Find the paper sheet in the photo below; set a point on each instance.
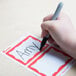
(50, 61)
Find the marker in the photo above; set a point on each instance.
(55, 16)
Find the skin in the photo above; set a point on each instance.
(62, 32)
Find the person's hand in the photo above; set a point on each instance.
(62, 32)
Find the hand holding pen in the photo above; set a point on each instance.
(61, 31)
(54, 17)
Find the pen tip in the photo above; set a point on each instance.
(40, 48)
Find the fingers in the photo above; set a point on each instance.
(48, 25)
(44, 29)
(47, 18)
(44, 33)
(47, 28)
(62, 16)
(51, 25)
(50, 40)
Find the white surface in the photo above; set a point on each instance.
(20, 16)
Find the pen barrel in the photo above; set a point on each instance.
(57, 12)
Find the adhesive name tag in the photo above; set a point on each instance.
(50, 61)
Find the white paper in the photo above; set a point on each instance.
(51, 61)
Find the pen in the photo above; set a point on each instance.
(55, 16)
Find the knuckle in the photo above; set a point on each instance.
(44, 19)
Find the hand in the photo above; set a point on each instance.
(62, 32)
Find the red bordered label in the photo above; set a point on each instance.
(50, 63)
(26, 50)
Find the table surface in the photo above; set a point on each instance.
(22, 16)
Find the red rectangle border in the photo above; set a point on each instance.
(60, 68)
(8, 52)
